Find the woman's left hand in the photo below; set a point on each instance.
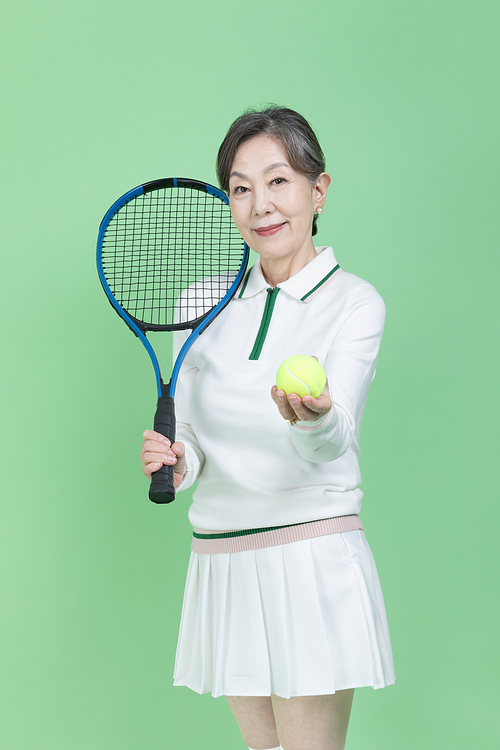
(307, 409)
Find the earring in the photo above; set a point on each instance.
(319, 210)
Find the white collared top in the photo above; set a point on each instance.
(253, 468)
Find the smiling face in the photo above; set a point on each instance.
(273, 206)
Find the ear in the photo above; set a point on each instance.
(319, 190)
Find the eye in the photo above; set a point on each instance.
(240, 189)
(278, 181)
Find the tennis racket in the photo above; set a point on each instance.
(169, 258)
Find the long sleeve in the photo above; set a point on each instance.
(253, 469)
(350, 369)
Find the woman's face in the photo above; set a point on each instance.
(273, 205)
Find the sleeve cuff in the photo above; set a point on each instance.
(193, 466)
(313, 425)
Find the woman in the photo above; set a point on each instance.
(283, 612)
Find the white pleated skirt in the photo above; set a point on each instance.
(303, 618)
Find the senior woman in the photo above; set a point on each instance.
(283, 612)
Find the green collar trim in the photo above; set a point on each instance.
(245, 282)
(325, 278)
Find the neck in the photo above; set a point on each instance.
(276, 270)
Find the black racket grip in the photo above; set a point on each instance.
(162, 481)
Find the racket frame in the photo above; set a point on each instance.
(140, 329)
(166, 392)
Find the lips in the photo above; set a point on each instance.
(269, 230)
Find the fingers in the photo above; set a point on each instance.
(320, 405)
(180, 467)
(157, 450)
(284, 406)
(156, 436)
(307, 409)
(179, 450)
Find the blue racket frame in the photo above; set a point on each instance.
(125, 198)
(162, 488)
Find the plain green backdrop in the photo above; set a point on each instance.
(102, 95)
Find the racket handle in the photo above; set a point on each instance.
(162, 481)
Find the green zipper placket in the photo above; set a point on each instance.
(272, 295)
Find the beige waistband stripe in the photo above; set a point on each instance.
(273, 537)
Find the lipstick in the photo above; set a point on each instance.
(270, 230)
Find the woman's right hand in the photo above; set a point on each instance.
(156, 450)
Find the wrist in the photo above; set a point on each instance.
(312, 424)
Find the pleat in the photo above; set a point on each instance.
(296, 635)
(246, 668)
(375, 617)
(305, 618)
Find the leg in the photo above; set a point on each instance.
(313, 722)
(255, 718)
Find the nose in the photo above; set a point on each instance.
(262, 203)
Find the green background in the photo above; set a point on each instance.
(100, 96)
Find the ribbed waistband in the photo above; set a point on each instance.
(238, 540)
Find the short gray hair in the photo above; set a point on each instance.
(289, 127)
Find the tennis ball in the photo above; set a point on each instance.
(301, 375)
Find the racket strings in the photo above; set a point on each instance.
(171, 255)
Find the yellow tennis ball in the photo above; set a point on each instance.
(301, 375)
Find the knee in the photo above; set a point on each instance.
(261, 737)
(255, 719)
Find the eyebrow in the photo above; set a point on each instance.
(267, 169)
